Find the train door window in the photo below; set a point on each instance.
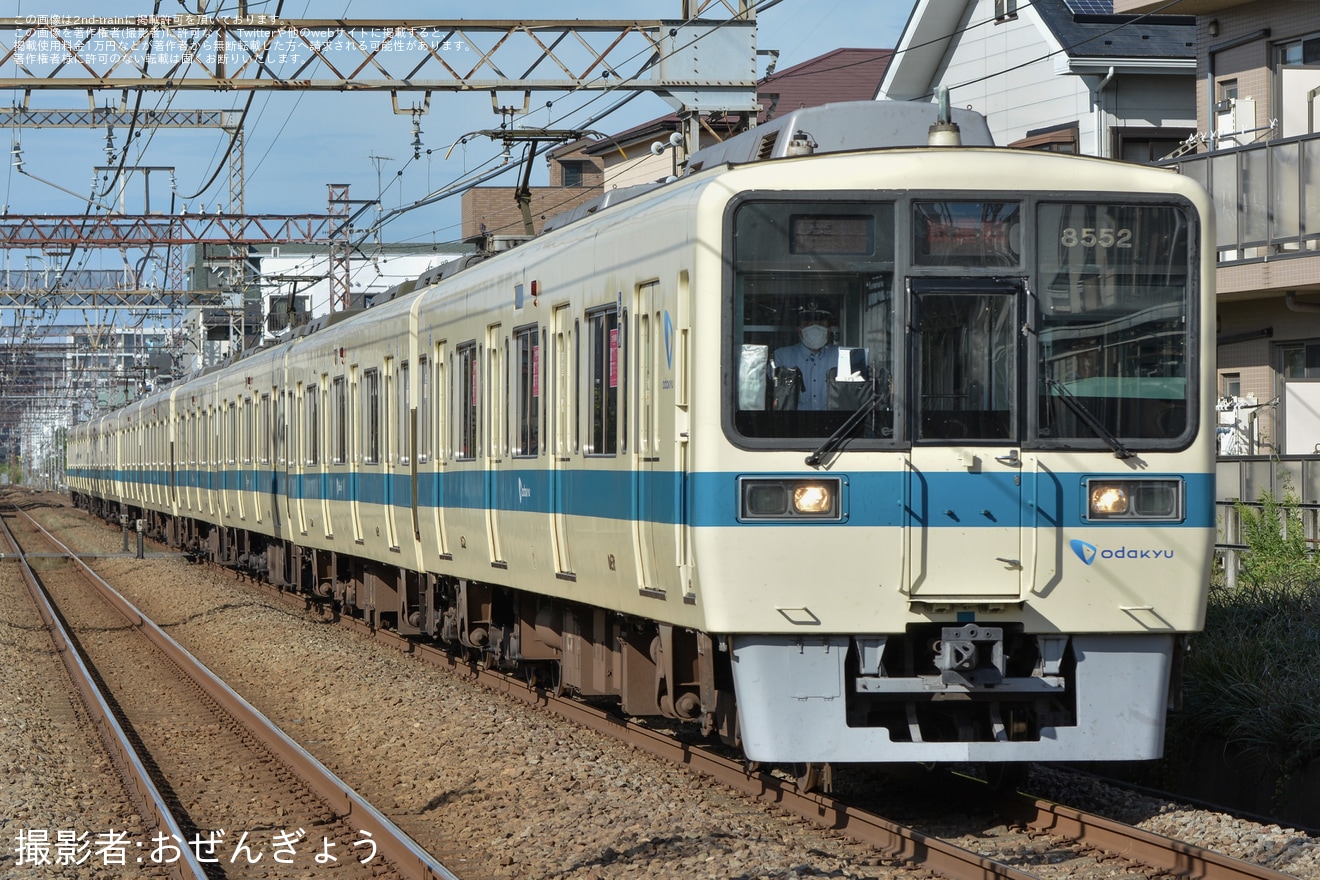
(404, 433)
(339, 420)
(965, 360)
(424, 415)
(526, 392)
(267, 435)
(249, 429)
(312, 427)
(297, 441)
(467, 375)
(621, 359)
(281, 433)
(385, 419)
(603, 379)
(440, 405)
(562, 400)
(231, 415)
(371, 417)
(645, 371)
(496, 389)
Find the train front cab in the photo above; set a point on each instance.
(990, 543)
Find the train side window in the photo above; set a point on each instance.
(312, 437)
(468, 394)
(526, 392)
(603, 379)
(249, 427)
(423, 410)
(404, 432)
(231, 414)
(371, 417)
(267, 431)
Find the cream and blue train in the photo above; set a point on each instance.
(587, 457)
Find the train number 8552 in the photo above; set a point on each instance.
(1088, 238)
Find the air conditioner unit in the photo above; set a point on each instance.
(1235, 121)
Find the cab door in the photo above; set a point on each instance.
(964, 513)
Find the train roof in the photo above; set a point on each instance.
(839, 128)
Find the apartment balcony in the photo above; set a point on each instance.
(1267, 212)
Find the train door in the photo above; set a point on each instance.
(564, 435)
(406, 437)
(386, 442)
(334, 486)
(964, 514)
(354, 453)
(646, 518)
(496, 410)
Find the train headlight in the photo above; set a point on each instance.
(788, 499)
(813, 499)
(1150, 500)
(1108, 500)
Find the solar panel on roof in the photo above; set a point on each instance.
(1090, 7)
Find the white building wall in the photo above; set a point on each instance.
(1016, 74)
(1010, 73)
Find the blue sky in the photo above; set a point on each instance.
(297, 143)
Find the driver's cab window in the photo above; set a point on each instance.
(813, 329)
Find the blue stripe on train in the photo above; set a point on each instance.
(964, 500)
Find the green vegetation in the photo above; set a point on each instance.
(1253, 676)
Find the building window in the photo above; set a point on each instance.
(1231, 385)
(1005, 10)
(1305, 50)
(1300, 361)
(574, 173)
(1147, 145)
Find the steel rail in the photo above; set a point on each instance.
(403, 853)
(896, 841)
(130, 764)
(1134, 843)
(899, 842)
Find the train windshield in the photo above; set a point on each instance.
(1114, 329)
(1045, 324)
(814, 312)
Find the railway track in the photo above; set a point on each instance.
(1089, 837)
(228, 793)
(1043, 839)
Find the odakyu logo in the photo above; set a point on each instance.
(1088, 553)
(669, 339)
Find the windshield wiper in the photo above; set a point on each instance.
(1079, 409)
(836, 439)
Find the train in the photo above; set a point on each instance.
(863, 440)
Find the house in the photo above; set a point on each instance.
(1064, 75)
(652, 151)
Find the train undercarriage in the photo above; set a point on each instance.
(920, 687)
(650, 668)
